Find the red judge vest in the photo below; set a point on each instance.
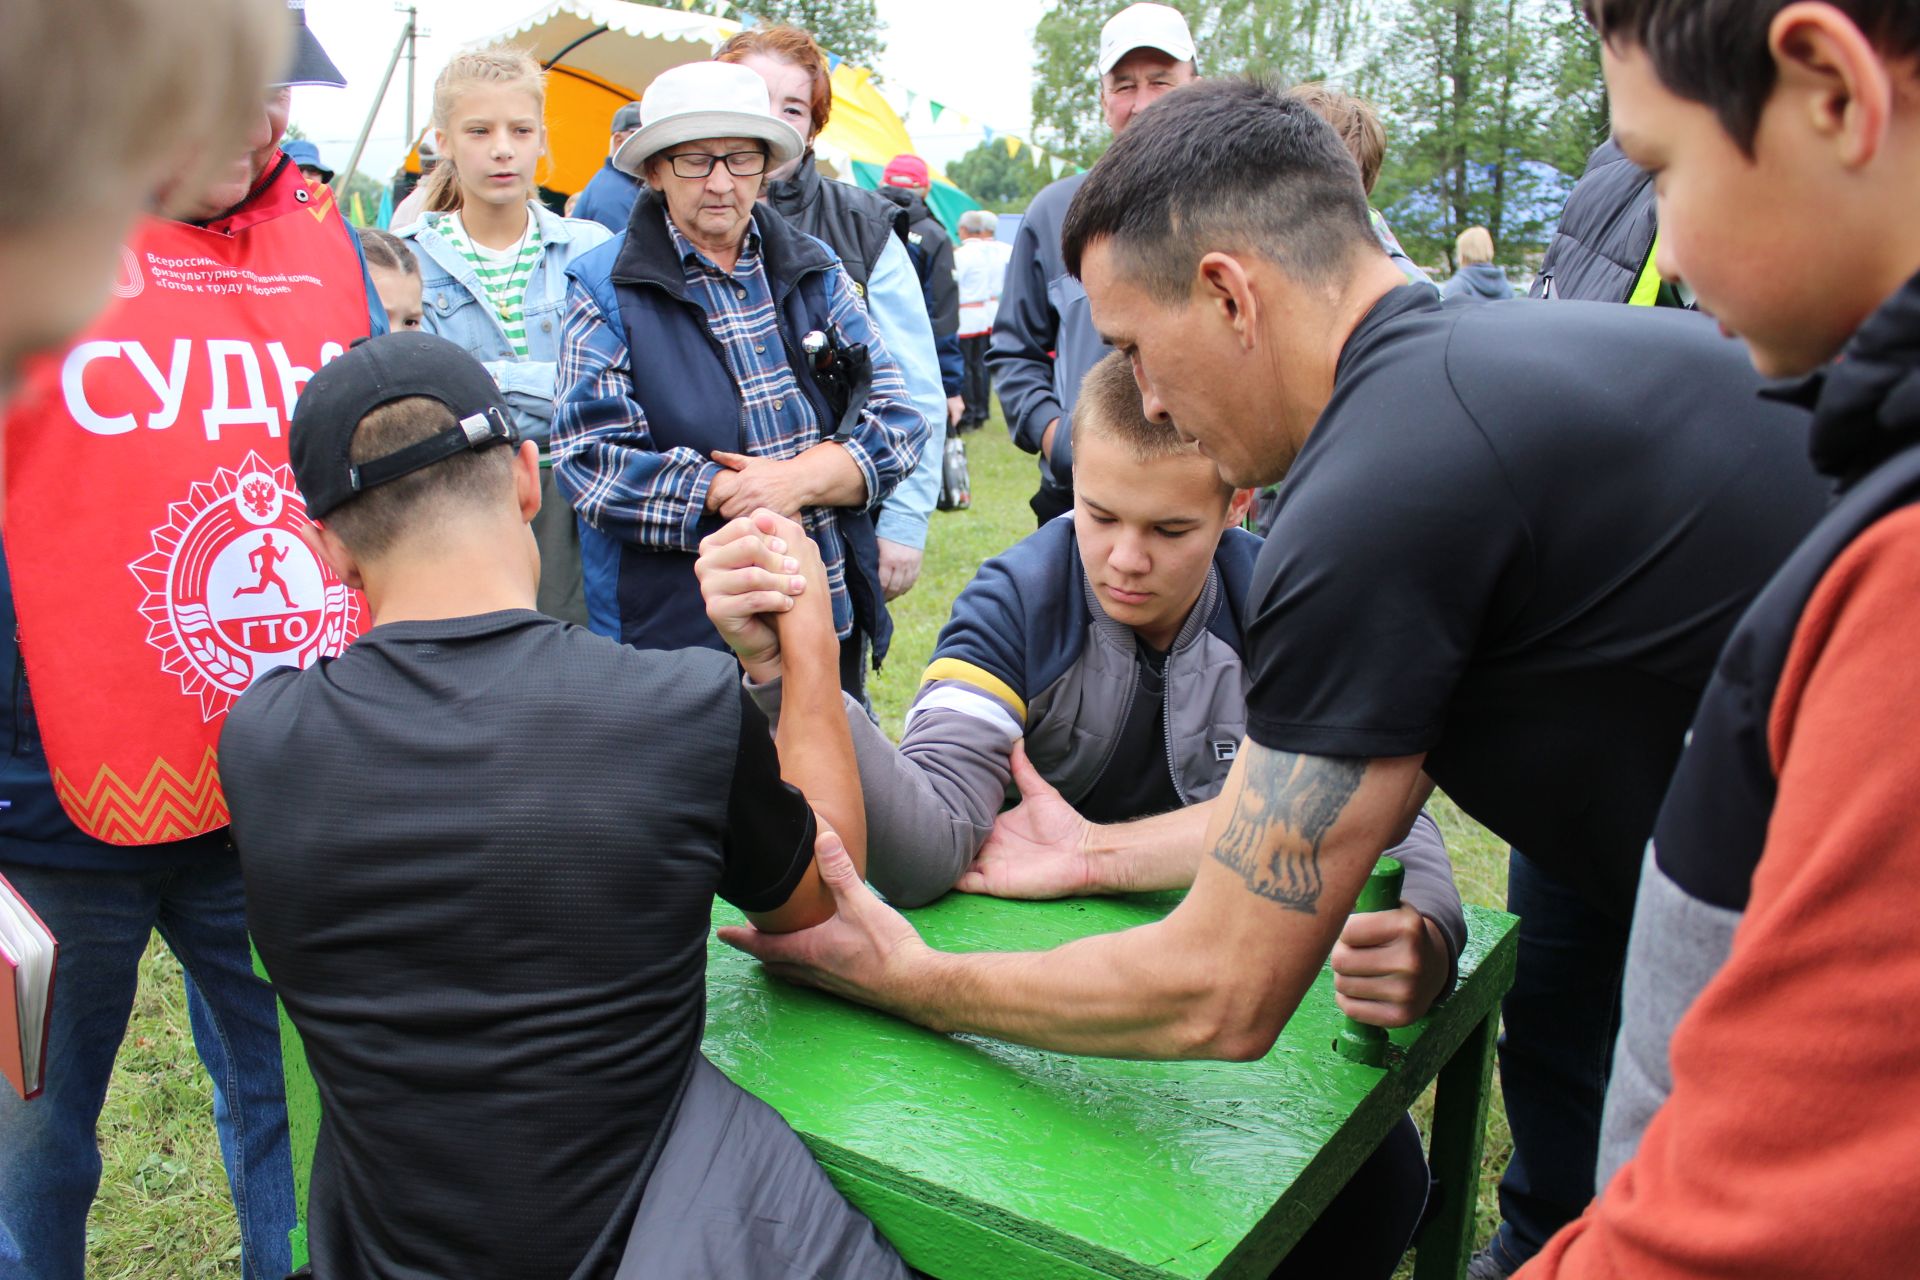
(152, 520)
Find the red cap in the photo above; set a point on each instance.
(906, 171)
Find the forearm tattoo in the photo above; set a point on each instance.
(1288, 802)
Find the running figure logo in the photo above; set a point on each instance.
(231, 590)
(262, 560)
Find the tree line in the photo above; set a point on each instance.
(1490, 106)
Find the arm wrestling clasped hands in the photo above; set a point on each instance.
(1388, 966)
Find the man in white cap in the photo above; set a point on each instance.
(1043, 341)
(714, 361)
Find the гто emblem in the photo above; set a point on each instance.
(232, 591)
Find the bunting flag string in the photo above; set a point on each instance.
(1050, 164)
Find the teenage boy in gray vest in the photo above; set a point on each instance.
(496, 957)
(1764, 1111)
(1097, 664)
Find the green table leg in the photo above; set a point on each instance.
(1461, 1093)
(303, 1118)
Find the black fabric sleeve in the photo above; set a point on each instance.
(1393, 551)
(770, 826)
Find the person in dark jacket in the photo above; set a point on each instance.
(869, 234)
(1477, 280)
(906, 183)
(717, 360)
(1043, 339)
(1764, 1076)
(1602, 249)
(609, 195)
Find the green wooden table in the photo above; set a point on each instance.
(982, 1160)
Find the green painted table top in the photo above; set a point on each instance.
(986, 1160)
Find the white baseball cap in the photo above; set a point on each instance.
(706, 100)
(1144, 26)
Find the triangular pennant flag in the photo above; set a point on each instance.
(359, 211)
(833, 62)
(988, 132)
(912, 98)
(935, 108)
(1013, 146)
(1058, 166)
(686, 4)
(720, 9)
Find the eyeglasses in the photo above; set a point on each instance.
(697, 164)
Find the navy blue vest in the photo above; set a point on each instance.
(686, 389)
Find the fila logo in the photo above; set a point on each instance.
(1225, 750)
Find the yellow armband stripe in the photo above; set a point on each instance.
(979, 677)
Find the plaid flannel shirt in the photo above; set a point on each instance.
(621, 484)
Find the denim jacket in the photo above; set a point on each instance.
(452, 306)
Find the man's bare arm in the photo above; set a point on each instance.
(815, 748)
(1292, 838)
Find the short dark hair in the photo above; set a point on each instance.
(1714, 52)
(1222, 164)
(371, 523)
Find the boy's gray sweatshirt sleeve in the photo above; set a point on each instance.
(930, 801)
(1429, 888)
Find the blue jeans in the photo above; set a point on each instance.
(49, 1162)
(1556, 1050)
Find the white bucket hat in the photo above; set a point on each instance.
(706, 100)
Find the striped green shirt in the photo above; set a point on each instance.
(504, 275)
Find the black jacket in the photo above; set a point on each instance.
(1605, 232)
(932, 250)
(854, 223)
(1043, 337)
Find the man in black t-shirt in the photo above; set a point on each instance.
(481, 847)
(1510, 543)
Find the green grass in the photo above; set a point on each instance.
(163, 1210)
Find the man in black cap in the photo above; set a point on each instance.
(481, 848)
(608, 198)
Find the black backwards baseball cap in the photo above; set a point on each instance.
(379, 371)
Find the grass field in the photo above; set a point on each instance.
(163, 1210)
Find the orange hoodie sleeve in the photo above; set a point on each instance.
(1790, 1146)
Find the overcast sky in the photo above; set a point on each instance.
(979, 65)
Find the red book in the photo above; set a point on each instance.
(28, 952)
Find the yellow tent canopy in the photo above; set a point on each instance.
(602, 54)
